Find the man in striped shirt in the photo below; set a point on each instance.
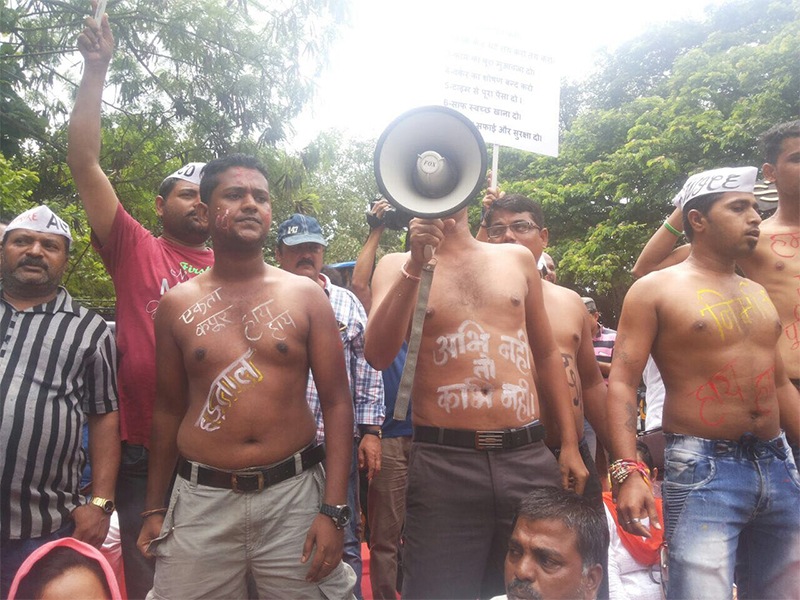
(57, 366)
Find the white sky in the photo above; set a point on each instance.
(384, 63)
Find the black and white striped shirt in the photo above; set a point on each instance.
(58, 362)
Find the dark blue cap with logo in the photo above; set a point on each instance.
(300, 229)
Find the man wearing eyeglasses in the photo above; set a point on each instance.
(515, 219)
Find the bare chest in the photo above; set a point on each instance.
(716, 315)
(225, 324)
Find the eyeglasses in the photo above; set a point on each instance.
(521, 227)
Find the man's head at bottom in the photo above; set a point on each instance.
(557, 547)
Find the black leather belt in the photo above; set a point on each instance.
(498, 439)
(253, 480)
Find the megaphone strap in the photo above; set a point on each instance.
(417, 323)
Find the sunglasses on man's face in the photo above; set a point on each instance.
(521, 227)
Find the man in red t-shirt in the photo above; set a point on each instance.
(143, 268)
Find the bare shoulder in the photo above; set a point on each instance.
(510, 254)
(566, 297)
(297, 287)
(188, 291)
(395, 258)
(649, 289)
(388, 267)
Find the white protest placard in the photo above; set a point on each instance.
(509, 91)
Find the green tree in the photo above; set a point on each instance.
(190, 80)
(681, 98)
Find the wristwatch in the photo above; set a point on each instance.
(107, 505)
(377, 432)
(340, 514)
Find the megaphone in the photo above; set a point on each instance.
(430, 162)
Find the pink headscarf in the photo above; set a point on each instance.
(83, 548)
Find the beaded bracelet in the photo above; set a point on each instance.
(671, 229)
(621, 469)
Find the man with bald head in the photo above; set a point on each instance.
(143, 268)
(549, 267)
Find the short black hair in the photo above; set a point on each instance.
(211, 172)
(516, 203)
(54, 564)
(772, 140)
(333, 274)
(576, 513)
(701, 203)
(166, 187)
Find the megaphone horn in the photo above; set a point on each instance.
(430, 161)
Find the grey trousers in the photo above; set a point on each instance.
(460, 506)
(212, 538)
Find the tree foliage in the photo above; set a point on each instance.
(190, 80)
(198, 78)
(681, 98)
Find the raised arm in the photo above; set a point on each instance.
(365, 262)
(492, 194)
(593, 387)
(552, 381)
(169, 409)
(660, 252)
(394, 292)
(637, 330)
(96, 44)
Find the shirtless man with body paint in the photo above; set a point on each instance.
(775, 264)
(504, 222)
(233, 348)
(474, 374)
(731, 488)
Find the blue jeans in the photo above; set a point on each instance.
(14, 552)
(731, 507)
(130, 493)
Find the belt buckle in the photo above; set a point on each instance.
(235, 481)
(489, 440)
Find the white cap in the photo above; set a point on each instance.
(740, 179)
(190, 172)
(40, 219)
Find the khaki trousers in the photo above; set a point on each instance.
(387, 509)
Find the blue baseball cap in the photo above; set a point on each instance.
(300, 229)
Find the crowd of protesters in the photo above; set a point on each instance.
(232, 410)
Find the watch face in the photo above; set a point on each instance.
(345, 516)
(108, 506)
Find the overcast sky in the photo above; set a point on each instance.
(386, 62)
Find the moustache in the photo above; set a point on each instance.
(32, 262)
(305, 261)
(523, 589)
